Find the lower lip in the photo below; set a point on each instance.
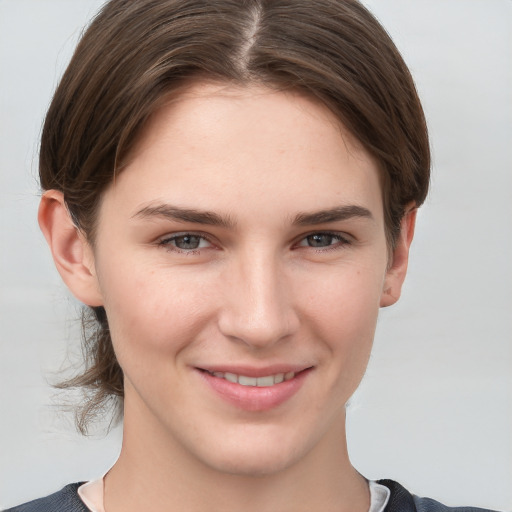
(254, 398)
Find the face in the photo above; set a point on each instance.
(241, 258)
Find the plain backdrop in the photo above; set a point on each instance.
(435, 408)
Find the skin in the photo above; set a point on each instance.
(261, 289)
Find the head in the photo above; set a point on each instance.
(137, 57)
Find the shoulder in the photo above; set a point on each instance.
(65, 500)
(402, 500)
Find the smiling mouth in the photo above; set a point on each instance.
(260, 390)
(261, 382)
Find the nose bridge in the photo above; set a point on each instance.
(257, 309)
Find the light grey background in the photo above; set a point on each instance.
(435, 408)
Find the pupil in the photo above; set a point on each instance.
(319, 240)
(187, 242)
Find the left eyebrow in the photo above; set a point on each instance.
(332, 215)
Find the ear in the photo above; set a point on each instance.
(72, 254)
(397, 268)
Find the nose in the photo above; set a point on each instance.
(257, 307)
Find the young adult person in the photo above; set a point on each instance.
(231, 187)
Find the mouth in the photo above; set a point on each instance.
(261, 390)
(261, 382)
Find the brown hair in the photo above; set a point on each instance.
(135, 53)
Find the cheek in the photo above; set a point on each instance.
(343, 315)
(152, 311)
(346, 299)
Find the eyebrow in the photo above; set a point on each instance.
(195, 216)
(332, 215)
(179, 214)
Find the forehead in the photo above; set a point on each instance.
(200, 106)
(217, 140)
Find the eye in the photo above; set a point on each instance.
(323, 240)
(185, 242)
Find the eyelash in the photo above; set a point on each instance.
(168, 242)
(342, 241)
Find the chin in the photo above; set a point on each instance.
(258, 466)
(260, 458)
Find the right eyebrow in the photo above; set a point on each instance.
(180, 214)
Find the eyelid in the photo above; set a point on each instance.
(166, 241)
(343, 238)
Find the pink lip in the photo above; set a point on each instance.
(253, 398)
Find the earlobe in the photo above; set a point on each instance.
(71, 252)
(397, 269)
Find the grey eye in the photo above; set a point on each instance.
(187, 242)
(321, 240)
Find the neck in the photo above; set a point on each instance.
(155, 473)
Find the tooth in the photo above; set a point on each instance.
(265, 381)
(278, 378)
(247, 381)
(268, 380)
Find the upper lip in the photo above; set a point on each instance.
(252, 371)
